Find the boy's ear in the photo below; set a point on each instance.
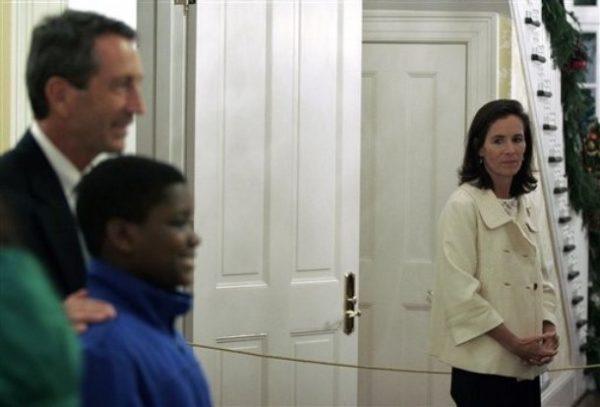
(121, 235)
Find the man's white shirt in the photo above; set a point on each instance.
(68, 175)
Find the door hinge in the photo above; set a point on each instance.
(186, 5)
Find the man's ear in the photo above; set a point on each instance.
(121, 235)
(59, 94)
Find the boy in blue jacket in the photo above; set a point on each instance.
(136, 217)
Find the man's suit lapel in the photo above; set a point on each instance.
(53, 214)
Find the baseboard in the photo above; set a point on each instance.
(564, 390)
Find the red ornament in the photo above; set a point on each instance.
(578, 64)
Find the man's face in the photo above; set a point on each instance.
(105, 108)
(164, 245)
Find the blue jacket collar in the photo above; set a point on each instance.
(125, 291)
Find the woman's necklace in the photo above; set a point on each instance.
(510, 205)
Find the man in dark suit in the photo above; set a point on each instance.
(84, 83)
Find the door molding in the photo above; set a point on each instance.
(477, 31)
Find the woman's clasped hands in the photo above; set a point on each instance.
(538, 350)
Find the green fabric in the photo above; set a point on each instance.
(40, 357)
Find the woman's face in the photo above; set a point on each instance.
(503, 149)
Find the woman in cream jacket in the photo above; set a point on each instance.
(493, 307)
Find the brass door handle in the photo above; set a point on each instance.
(353, 314)
(350, 303)
(429, 296)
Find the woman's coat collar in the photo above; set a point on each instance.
(492, 212)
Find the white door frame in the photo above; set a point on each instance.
(478, 31)
(161, 131)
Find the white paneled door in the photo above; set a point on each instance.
(414, 108)
(277, 179)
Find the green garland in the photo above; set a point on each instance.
(582, 160)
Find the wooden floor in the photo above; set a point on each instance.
(590, 400)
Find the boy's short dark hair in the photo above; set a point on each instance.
(126, 187)
(63, 45)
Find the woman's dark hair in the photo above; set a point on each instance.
(473, 171)
(126, 187)
(63, 45)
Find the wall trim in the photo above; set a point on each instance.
(561, 391)
(5, 78)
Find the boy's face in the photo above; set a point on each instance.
(164, 246)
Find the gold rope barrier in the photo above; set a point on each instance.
(383, 369)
